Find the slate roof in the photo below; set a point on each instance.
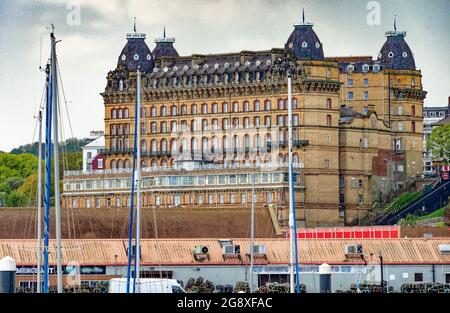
(395, 53)
(136, 54)
(304, 43)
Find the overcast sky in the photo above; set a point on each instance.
(90, 48)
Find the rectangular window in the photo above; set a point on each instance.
(221, 198)
(418, 277)
(243, 198)
(350, 82)
(88, 203)
(233, 198)
(350, 95)
(100, 163)
(210, 199)
(353, 182)
(366, 95)
(365, 82)
(232, 179)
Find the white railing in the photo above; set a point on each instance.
(195, 167)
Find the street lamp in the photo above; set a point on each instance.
(287, 66)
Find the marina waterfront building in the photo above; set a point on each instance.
(215, 126)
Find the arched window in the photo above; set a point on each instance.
(113, 129)
(183, 109)
(120, 164)
(225, 144)
(280, 104)
(328, 104)
(126, 113)
(119, 111)
(173, 145)
(144, 163)
(204, 108)
(246, 106)
(256, 105)
(127, 163)
(173, 126)
(164, 145)
(215, 124)
(113, 113)
(235, 142)
(267, 121)
(267, 105)
(143, 146)
(194, 109)
(154, 163)
(268, 140)
(113, 164)
(294, 103)
(246, 142)
(194, 125)
(163, 127)
(121, 85)
(225, 124)
(280, 158)
(164, 163)
(295, 159)
(224, 107)
(163, 111)
(215, 108)
(143, 112)
(174, 110)
(258, 161)
(257, 141)
(215, 145)
(153, 111)
(184, 146)
(194, 144)
(204, 144)
(328, 120)
(204, 125)
(236, 107)
(154, 145)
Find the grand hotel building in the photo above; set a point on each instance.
(213, 127)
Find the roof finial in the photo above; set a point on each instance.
(134, 24)
(303, 15)
(164, 33)
(395, 22)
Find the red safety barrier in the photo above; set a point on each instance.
(357, 232)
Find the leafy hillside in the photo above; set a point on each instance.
(18, 176)
(70, 145)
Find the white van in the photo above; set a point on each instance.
(147, 285)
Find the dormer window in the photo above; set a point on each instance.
(121, 85)
(350, 68)
(365, 68)
(304, 44)
(391, 54)
(376, 68)
(136, 57)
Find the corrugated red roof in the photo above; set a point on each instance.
(180, 251)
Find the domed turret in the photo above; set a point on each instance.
(395, 53)
(136, 53)
(303, 42)
(164, 47)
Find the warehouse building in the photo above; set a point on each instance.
(226, 261)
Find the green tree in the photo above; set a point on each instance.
(439, 143)
(16, 199)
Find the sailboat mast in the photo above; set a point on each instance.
(48, 156)
(39, 206)
(138, 182)
(252, 232)
(54, 104)
(292, 235)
